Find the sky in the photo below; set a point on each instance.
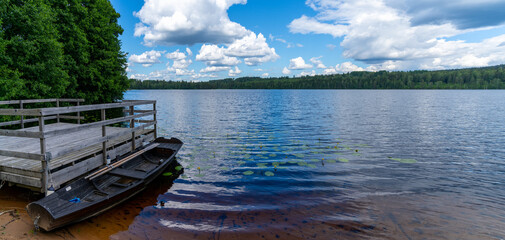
(201, 40)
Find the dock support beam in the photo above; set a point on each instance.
(45, 170)
(22, 117)
(132, 125)
(155, 125)
(78, 115)
(104, 143)
(57, 115)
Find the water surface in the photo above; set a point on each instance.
(330, 164)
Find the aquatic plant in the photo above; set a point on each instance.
(344, 160)
(248, 172)
(261, 165)
(168, 174)
(269, 174)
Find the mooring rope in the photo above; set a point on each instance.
(2, 184)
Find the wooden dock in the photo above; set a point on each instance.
(54, 152)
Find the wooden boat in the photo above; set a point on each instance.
(105, 188)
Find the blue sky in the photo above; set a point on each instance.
(200, 40)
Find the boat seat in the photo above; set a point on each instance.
(121, 172)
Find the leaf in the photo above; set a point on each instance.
(344, 160)
(261, 165)
(178, 168)
(269, 174)
(248, 172)
(168, 174)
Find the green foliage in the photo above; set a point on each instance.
(61, 48)
(472, 78)
(33, 58)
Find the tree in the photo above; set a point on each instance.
(61, 48)
(32, 59)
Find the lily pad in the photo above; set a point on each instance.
(269, 174)
(168, 174)
(178, 168)
(248, 172)
(272, 155)
(343, 160)
(311, 165)
(199, 175)
(292, 162)
(404, 160)
(240, 162)
(302, 163)
(261, 165)
(225, 168)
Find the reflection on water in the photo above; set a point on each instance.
(330, 165)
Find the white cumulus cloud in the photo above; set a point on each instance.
(298, 64)
(397, 35)
(147, 58)
(234, 72)
(317, 61)
(286, 71)
(173, 22)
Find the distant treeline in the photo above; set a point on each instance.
(471, 78)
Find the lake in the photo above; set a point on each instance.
(329, 164)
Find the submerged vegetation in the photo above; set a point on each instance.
(61, 49)
(471, 78)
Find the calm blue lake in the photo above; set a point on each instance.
(330, 164)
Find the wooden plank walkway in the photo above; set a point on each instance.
(69, 166)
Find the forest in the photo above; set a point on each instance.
(471, 78)
(61, 49)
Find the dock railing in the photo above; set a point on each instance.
(43, 114)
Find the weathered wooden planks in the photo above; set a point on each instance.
(24, 171)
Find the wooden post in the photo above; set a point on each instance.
(57, 115)
(104, 143)
(155, 125)
(45, 170)
(132, 125)
(22, 117)
(78, 115)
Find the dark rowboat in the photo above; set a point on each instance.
(106, 188)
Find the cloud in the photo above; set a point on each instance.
(317, 61)
(462, 14)
(147, 58)
(286, 71)
(344, 67)
(214, 69)
(213, 55)
(265, 75)
(180, 60)
(331, 46)
(288, 44)
(311, 73)
(253, 49)
(306, 25)
(173, 22)
(298, 64)
(234, 73)
(389, 34)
